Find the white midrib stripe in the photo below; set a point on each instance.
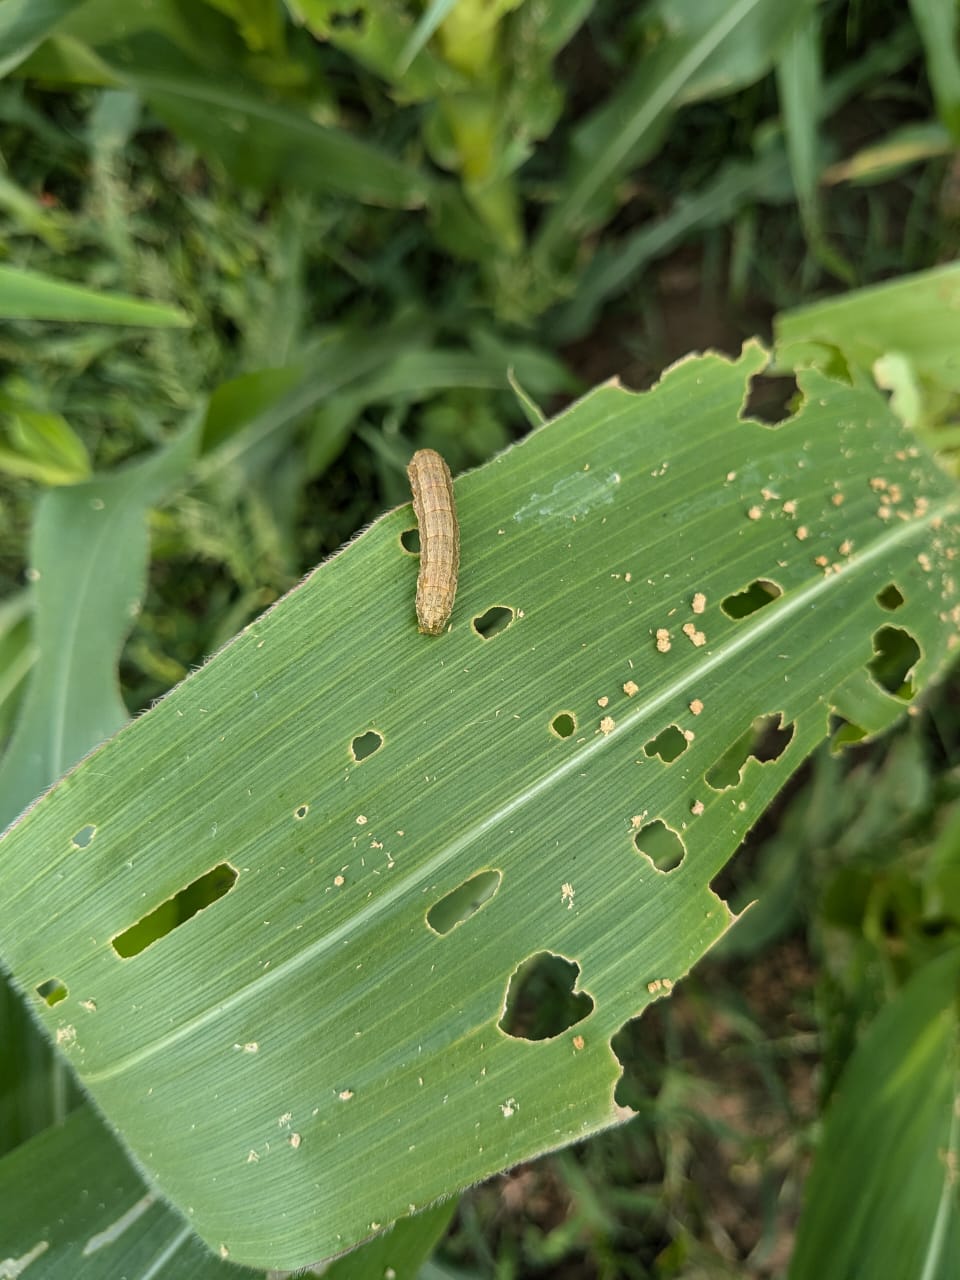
(770, 618)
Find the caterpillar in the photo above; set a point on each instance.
(436, 515)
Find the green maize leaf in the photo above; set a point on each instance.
(24, 24)
(26, 295)
(45, 447)
(17, 655)
(332, 364)
(704, 48)
(893, 1133)
(234, 404)
(400, 1252)
(899, 149)
(617, 262)
(381, 43)
(74, 1208)
(283, 911)
(29, 214)
(88, 556)
(188, 64)
(800, 84)
(917, 317)
(261, 142)
(261, 23)
(430, 19)
(939, 24)
(118, 1225)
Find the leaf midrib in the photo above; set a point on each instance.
(768, 619)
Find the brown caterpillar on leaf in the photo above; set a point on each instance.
(436, 515)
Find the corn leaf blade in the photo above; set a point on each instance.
(320, 1046)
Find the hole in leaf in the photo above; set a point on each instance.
(541, 999)
(757, 595)
(772, 737)
(896, 654)
(348, 20)
(890, 598)
(491, 623)
(661, 844)
(301, 812)
(564, 724)
(463, 902)
(410, 541)
(641, 1045)
(938, 927)
(772, 398)
(668, 744)
(366, 744)
(846, 735)
(176, 911)
(53, 991)
(84, 836)
(766, 740)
